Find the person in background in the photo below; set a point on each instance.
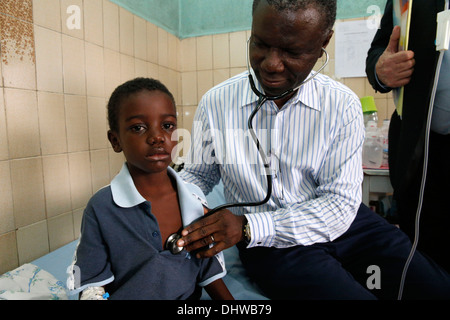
(122, 249)
(313, 239)
(388, 68)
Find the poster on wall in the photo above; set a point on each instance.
(401, 17)
(353, 39)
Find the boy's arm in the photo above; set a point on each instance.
(94, 293)
(217, 290)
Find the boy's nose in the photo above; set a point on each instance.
(155, 136)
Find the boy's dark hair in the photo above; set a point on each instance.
(327, 7)
(128, 88)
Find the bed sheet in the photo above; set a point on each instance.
(30, 282)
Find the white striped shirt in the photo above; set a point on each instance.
(314, 146)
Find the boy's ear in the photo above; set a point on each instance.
(114, 140)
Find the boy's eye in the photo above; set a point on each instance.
(169, 126)
(137, 128)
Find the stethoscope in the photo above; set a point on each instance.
(262, 98)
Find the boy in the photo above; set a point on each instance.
(122, 248)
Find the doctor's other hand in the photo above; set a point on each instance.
(395, 68)
(222, 228)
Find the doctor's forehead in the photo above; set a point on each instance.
(326, 8)
(286, 28)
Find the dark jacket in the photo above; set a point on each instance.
(406, 135)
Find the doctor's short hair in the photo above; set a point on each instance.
(327, 7)
(127, 89)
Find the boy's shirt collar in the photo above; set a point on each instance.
(126, 195)
(124, 191)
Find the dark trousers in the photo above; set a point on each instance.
(364, 263)
(435, 214)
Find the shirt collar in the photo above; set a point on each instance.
(126, 195)
(124, 191)
(307, 94)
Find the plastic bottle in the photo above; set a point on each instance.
(369, 108)
(372, 153)
(385, 142)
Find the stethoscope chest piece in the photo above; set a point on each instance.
(171, 243)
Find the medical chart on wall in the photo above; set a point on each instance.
(353, 39)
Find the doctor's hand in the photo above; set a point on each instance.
(394, 69)
(222, 228)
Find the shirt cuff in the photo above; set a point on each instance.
(262, 229)
(381, 84)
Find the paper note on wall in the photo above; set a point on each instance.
(353, 39)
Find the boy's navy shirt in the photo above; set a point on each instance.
(120, 246)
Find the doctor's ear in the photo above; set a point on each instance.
(326, 42)
(327, 39)
(114, 140)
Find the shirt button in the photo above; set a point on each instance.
(155, 234)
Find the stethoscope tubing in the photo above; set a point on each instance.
(262, 98)
(263, 156)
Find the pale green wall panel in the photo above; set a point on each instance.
(163, 13)
(202, 17)
(358, 8)
(191, 18)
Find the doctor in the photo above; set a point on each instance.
(312, 239)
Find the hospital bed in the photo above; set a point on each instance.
(45, 278)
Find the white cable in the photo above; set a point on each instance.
(424, 171)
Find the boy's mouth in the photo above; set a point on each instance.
(158, 154)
